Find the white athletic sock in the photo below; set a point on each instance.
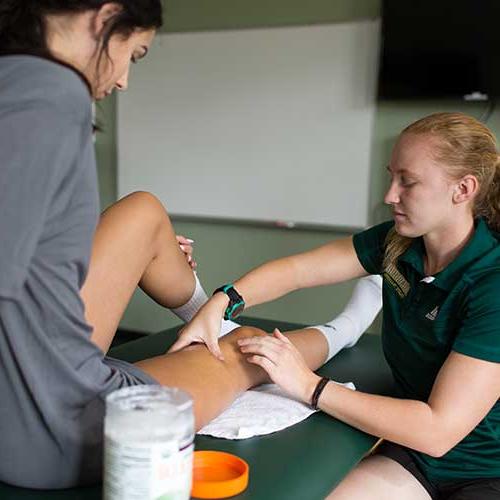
(187, 311)
(359, 313)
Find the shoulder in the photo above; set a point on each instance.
(28, 81)
(477, 335)
(369, 246)
(483, 275)
(483, 290)
(374, 235)
(382, 228)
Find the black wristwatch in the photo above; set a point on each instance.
(236, 302)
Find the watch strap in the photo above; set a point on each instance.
(236, 302)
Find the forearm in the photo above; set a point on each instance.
(464, 391)
(263, 284)
(407, 422)
(269, 281)
(331, 263)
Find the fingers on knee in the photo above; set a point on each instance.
(251, 331)
(245, 331)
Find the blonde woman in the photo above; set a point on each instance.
(440, 263)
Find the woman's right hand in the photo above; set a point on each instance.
(204, 327)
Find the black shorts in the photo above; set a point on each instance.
(471, 489)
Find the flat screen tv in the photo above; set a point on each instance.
(440, 49)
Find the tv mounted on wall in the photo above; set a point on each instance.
(440, 49)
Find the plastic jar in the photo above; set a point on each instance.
(148, 444)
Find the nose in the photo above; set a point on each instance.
(392, 195)
(122, 82)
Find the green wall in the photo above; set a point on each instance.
(195, 15)
(225, 251)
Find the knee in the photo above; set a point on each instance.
(243, 332)
(239, 369)
(145, 201)
(147, 208)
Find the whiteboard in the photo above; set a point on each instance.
(264, 125)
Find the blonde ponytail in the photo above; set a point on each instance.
(395, 246)
(489, 206)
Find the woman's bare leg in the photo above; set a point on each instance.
(379, 477)
(134, 245)
(214, 384)
(312, 344)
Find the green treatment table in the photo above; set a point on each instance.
(303, 462)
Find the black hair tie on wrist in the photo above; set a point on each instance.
(317, 392)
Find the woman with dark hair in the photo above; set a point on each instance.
(66, 274)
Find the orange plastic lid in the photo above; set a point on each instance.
(218, 475)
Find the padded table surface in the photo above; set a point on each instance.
(303, 462)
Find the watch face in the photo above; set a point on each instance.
(237, 310)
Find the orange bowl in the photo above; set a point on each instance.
(218, 475)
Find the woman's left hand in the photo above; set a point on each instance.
(283, 363)
(186, 246)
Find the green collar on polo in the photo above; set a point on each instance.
(481, 242)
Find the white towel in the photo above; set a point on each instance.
(262, 410)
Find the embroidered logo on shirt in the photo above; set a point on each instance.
(433, 314)
(396, 280)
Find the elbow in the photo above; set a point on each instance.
(437, 446)
(442, 435)
(437, 451)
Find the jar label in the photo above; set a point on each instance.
(171, 472)
(158, 471)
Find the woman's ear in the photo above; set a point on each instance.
(102, 17)
(465, 189)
